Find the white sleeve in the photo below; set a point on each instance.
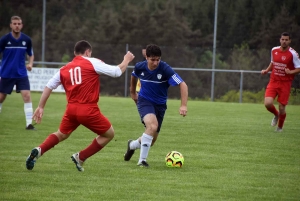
(103, 68)
(296, 59)
(54, 82)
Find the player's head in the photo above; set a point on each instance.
(153, 51)
(285, 40)
(153, 56)
(16, 24)
(83, 48)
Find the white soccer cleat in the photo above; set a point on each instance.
(78, 162)
(274, 121)
(278, 130)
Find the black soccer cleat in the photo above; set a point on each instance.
(143, 164)
(30, 127)
(129, 153)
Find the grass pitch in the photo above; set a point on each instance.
(231, 153)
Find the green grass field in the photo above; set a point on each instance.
(231, 153)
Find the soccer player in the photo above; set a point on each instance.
(156, 77)
(15, 45)
(285, 63)
(80, 79)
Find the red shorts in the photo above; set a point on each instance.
(87, 115)
(281, 89)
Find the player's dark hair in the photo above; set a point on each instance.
(286, 34)
(153, 51)
(82, 46)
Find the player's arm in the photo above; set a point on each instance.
(30, 62)
(292, 72)
(270, 67)
(30, 55)
(53, 83)
(296, 62)
(38, 113)
(133, 82)
(184, 98)
(112, 71)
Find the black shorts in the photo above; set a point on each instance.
(7, 84)
(147, 107)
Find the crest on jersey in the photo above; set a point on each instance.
(24, 43)
(283, 58)
(159, 76)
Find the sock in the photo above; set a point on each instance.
(49, 142)
(28, 113)
(281, 120)
(93, 148)
(145, 146)
(0, 106)
(135, 145)
(273, 110)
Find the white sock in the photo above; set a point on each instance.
(28, 113)
(0, 106)
(145, 146)
(135, 145)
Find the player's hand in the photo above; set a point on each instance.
(38, 114)
(134, 97)
(29, 67)
(183, 111)
(263, 72)
(287, 71)
(128, 56)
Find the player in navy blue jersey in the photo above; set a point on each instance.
(156, 77)
(14, 46)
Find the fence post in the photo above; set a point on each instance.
(241, 86)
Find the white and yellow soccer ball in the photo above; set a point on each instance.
(174, 159)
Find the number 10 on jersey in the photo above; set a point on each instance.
(75, 75)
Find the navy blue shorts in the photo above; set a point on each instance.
(147, 107)
(7, 84)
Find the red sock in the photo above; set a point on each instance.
(281, 120)
(49, 142)
(273, 110)
(90, 150)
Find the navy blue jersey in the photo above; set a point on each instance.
(14, 55)
(155, 84)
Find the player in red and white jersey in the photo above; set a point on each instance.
(285, 63)
(80, 79)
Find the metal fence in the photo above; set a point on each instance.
(204, 90)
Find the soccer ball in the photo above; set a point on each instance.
(174, 159)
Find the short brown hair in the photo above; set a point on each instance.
(82, 46)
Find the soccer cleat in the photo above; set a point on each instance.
(274, 121)
(129, 153)
(143, 164)
(30, 127)
(33, 156)
(78, 162)
(278, 130)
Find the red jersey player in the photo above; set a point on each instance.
(285, 63)
(80, 79)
